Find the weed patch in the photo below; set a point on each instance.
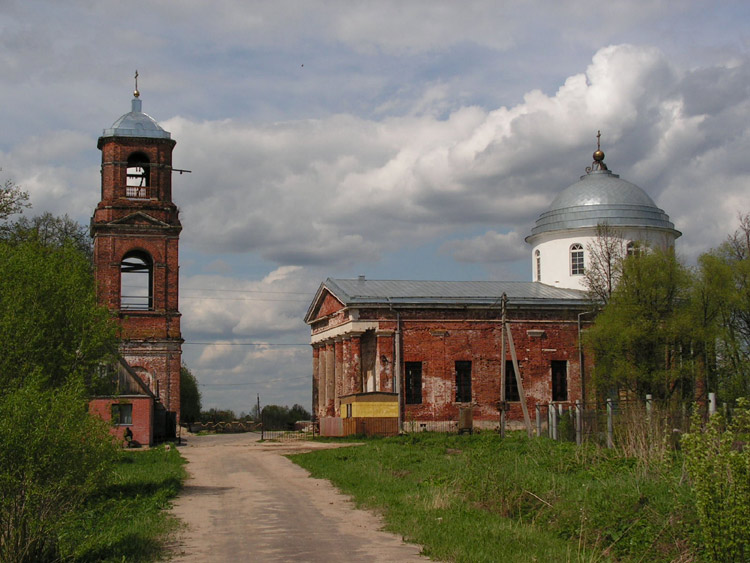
(480, 498)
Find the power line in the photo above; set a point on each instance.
(249, 382)
(183, 297)
(245, 291)
(248, 343)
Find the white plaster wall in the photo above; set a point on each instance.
(555, 252)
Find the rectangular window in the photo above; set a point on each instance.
(122, 413)
(463, 381)
(413, 383)
(511, 385)
(559, 380)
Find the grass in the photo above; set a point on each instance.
(127, 521)
(479, 498)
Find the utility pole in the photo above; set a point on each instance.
(502, 369)
(521, 393)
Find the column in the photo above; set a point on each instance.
(355, 363)
(330, 380)
(346, 349)
(384, 360)
(323, 381)
(315, 381)
(338, 359)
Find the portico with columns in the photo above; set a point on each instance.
(339, 369)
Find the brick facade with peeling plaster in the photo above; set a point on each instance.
(354, 351)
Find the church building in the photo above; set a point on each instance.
(424, 351)
(136, 232)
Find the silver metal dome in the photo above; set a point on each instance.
(602, 197)
(136, 124)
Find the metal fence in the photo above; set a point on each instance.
(445, 426)
(611, 422)
(287, 435)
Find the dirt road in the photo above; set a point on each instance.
(245, 501)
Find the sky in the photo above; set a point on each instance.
(397, 139)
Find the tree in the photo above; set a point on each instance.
(52, 231)
(190, 396)
(298, 412)
(604, 270)
(217, 415)
(723, 310)
(638, 338)
(51, 327)
(53, 456)
(12, 199)
(275, 417)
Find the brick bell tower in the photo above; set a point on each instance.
(136, 231)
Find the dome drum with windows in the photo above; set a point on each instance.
(561, 237)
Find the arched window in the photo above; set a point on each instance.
(635, 248)
(136, 282)
(538, 256)
(137, 176)
(576, 260)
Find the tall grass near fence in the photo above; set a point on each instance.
(482, 498)
(648, 433)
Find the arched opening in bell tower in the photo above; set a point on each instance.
(136, 281)
(137, 176)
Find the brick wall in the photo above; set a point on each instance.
(151, 340)
(438, 337)
(143, 414)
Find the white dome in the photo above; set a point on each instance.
(602, 197)
(563, 234)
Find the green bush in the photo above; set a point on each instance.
(718, 462)
(52, 455)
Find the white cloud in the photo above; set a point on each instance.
(343, 189)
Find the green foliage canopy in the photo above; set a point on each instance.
(275, 417)
(645, 320)
(725, 273)
(51, 231)
(12, 200)
(53, 454)
(50, 325)
(190, 396)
